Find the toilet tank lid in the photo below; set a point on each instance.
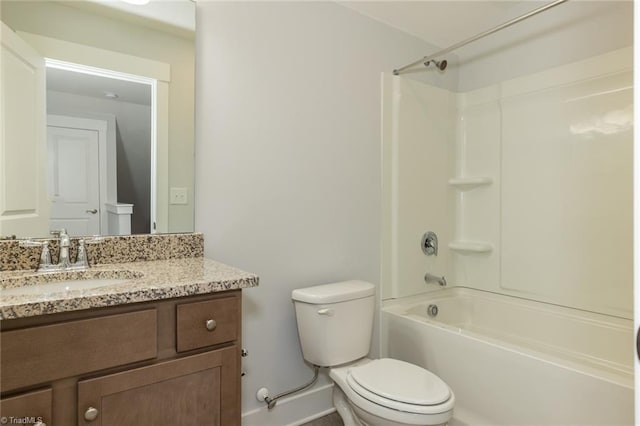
(334, 293)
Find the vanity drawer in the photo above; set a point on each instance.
(201, 324)
(41, 354)
(34, 406)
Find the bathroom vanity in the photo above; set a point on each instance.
(161, 348)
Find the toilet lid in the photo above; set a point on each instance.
(400, 381)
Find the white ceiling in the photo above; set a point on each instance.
(446, 22)
(93, 86)
(441, 23)
(179, 13)
(173, 16)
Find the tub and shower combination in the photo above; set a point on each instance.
(514, 361)
(520, 177)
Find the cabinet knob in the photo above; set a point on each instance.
(211, 324)
(91, 414)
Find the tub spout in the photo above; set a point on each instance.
(430, 278)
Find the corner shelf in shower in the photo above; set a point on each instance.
(470, 182)
(470, 247)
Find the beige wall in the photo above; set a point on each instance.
(70, 23)
(288, 166)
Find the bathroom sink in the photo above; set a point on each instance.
(60, 282)
(61, 286)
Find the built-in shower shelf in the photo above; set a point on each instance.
(470, 182)
(470, 247)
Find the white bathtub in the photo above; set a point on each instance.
(512, 361)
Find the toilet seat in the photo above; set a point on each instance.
(400, 386)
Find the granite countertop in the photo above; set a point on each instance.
(145, 281)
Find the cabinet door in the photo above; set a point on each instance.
(27, 408)
(189, 391)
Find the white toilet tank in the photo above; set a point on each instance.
(335, 321)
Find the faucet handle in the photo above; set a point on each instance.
(45, 254)
(45, 257)
(81, 259)
(430, 243)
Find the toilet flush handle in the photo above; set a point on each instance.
(326, 311)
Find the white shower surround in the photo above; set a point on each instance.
(465, 165)
(527, 183)
(515, 362)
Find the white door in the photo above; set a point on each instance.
(24, 207)
(74, 179)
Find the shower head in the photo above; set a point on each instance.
(441, 65)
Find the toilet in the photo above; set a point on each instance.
(335, 323)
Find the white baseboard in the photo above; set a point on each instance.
(293, 411)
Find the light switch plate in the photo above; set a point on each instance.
(178, 196)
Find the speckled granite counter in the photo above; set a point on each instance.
(160, 279)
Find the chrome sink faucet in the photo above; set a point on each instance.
(64, 258)
(64, 242)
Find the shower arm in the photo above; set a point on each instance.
(453, 47)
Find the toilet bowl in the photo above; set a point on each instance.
(389, 392)
(335, 323)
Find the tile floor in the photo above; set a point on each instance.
(332, 419)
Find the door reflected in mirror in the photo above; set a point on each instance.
(115, 136)
(100, 149)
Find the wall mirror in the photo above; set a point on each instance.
(98, 117)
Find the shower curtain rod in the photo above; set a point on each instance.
(453, 47)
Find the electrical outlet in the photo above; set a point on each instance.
(178, 196)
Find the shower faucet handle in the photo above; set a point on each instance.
(430, 243)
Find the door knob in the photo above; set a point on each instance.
(92, 211)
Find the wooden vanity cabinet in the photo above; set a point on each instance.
(30, 407)
(126, 365)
